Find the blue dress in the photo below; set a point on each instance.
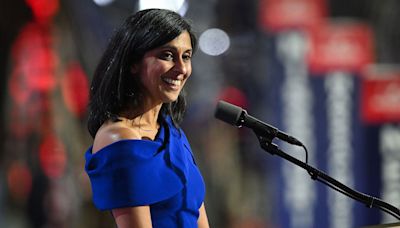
(160, 173)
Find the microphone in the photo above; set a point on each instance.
(237, 116)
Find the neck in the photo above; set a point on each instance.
(145, 118)
(148, 119)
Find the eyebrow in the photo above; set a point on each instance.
(174, 48)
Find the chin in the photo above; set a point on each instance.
(168, 98)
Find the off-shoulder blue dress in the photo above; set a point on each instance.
(160, 173)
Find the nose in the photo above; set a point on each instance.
(181, 66)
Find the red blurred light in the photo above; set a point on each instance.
(34, 63)
(18, 87)
(19, 180)
(234, 96)
(52, 157)
(75, 90)
(43, 10)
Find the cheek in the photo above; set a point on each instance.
(151, 74)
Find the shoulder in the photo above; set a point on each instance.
(111, 132)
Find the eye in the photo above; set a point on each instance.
(187, 57)
(167, 55)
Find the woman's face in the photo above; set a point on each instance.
(164, 70)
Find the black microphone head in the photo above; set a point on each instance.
(228, 113)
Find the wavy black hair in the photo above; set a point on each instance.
(113, 88)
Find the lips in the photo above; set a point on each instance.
(172, 82)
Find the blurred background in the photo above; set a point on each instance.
(325, 71)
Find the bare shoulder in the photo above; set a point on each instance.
(112, 132)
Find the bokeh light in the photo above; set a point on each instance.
(179, 6)
(44, 10)
(214, 41)
(103, 2)
(75, 89)
(19, 180)
(52, 157)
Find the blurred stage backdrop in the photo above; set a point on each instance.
(325, 71)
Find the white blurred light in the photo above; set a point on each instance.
(179, 6)
(103, 2)
(214, 41)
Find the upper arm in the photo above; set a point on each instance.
(133, 217)
(136, 217)
(202, 222)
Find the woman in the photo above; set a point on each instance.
(140, 165)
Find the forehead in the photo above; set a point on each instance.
(181, 42)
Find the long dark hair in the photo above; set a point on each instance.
(113, 88)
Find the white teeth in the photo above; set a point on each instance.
(172, 81)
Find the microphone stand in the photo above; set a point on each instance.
(369, 201)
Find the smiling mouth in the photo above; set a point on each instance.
(172, 82)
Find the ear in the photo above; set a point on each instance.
(135, 68)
